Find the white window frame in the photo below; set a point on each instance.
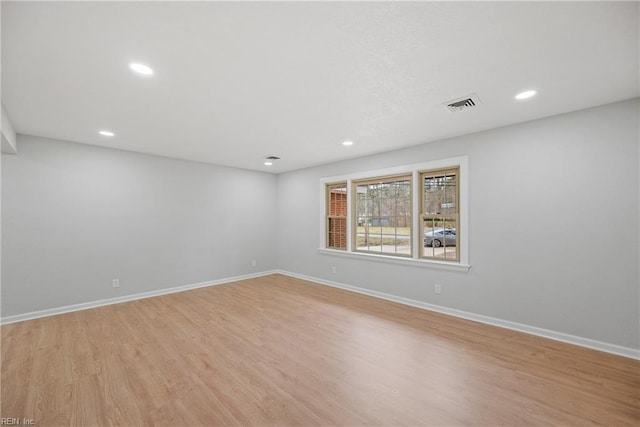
(415, 169)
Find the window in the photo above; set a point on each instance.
(382, 219)
(439, 214)
(414, 214)
(337, 216)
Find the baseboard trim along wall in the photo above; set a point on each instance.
(545, 333)
(125, 298)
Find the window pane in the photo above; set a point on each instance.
(338, 233)
(440, 238)
(383, 212)
(440, 194)
(338, 200)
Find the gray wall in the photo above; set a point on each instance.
(554, 236)
(554, 225)
(76, 216)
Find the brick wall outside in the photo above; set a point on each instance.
(337, 226)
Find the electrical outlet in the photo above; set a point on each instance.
(334, 270)
(116, 283)
(438, 289)
(253, 263)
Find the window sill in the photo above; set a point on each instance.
(422, 263)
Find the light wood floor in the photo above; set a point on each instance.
(277, 350)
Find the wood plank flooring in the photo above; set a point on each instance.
(282, 351)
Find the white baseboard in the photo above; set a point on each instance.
(545, 333)
(99, 303)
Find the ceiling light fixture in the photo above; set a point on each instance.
(347, 143)
(141, 68)
(526, 94)
(106, 133)
(270, 159)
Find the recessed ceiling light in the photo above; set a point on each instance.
(141, 68)
(270, 159)
(106, 133)
(347, 143)
(526, 94)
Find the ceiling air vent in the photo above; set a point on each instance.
(463, 103)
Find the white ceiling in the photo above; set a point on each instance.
(235, 82)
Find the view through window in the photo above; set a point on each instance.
(440, 214)
(337, 216)
(383, 216)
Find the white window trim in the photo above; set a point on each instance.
(462, 163)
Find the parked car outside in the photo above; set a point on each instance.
(439, 236)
